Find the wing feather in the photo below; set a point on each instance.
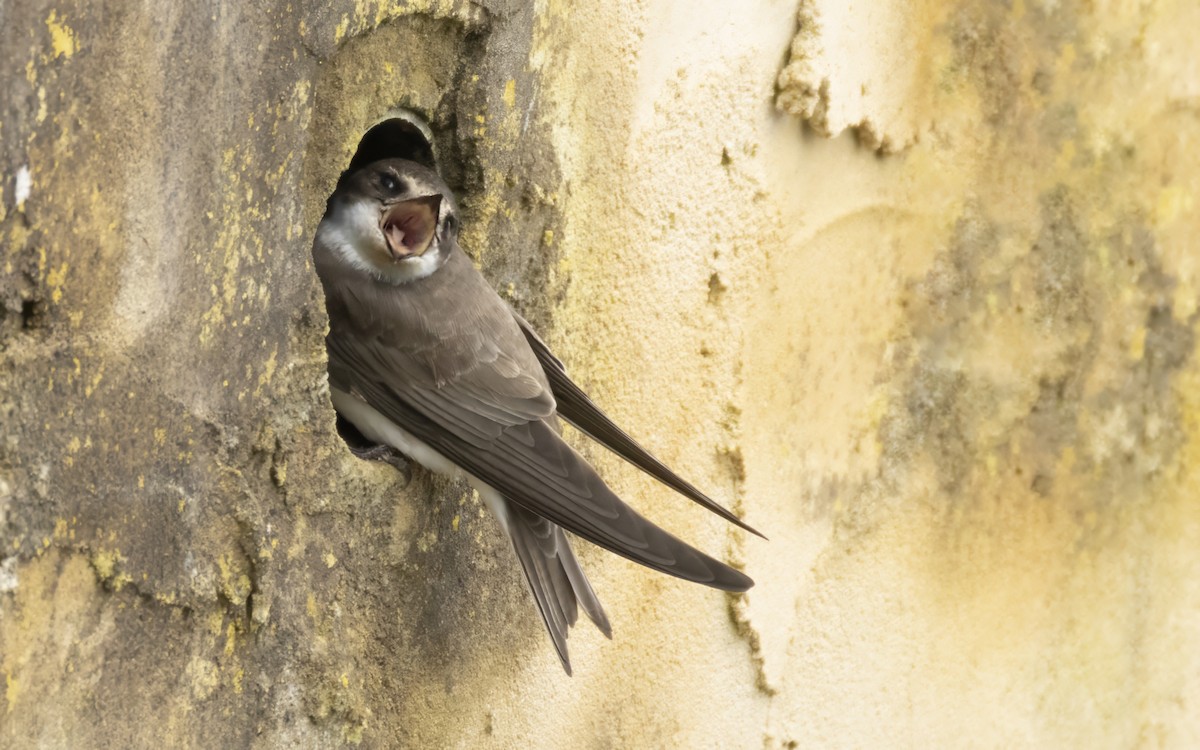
(445, 360)
(525, 461)
(577, 408)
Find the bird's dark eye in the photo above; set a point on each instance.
(389, 183)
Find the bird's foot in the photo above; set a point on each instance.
(386, 454)
(368, 450)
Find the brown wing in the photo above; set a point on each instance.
(577, 408)
(487, 419)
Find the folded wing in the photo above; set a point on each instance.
(492, 430)
(577, 408)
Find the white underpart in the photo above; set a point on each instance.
(379, 428)
(352, 229)
(343, 229)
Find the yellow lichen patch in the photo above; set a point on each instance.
(94, 383)
(63, 41)
(55, 279)
(235, 584)
(204, 675)
(510, 92)
(370, 14)
(330, 560)
(12, 690)
(107, 564)
(427, 540)
(237, 241)
(339, 31)
(268, 371)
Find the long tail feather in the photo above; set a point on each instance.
(558, 584)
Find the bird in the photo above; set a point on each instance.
(427, 360)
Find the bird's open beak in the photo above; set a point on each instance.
(408, 226)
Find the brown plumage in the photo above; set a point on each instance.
(424, 355)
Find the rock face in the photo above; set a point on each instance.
(948, 366)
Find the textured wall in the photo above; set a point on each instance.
(913, 286)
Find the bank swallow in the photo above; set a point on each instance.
(426, 358)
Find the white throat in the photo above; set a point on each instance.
(352, 226)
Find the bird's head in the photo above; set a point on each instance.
(393, 219)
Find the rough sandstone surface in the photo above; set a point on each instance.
(949, 366)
